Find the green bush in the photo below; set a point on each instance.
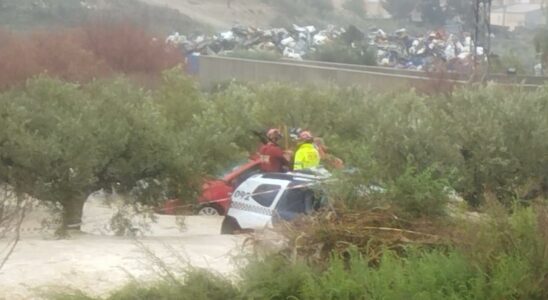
(195, 285)
(419, 193)
(496, 132)
(422, 275)
(340, 53)
(273, 278)
(514, 248)
(508, 60)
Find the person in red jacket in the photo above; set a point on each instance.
(272, 155)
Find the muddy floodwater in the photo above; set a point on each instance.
(98, 264)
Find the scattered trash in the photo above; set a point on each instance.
(428, 51)
(538, 68)
(293, 43)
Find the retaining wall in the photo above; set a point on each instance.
(216, 69)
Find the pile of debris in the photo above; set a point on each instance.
(421, 52)
(455, 52)
(293, 43)
(370, 232)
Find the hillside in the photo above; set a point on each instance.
(219, 15)
(166, 16)
(32, 14)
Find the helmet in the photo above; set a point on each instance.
(306, 135)
(294, 133)
(273, 134)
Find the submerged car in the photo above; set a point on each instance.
(264, 199)
(216, 193)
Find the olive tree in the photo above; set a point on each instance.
(61, 141)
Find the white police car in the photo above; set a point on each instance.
(264, 198)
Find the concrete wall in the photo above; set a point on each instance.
(384, 70)
(214, 70)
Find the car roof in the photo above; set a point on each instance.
(250, 164)
(290, 177)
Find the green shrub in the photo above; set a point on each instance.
(512, 248)
(195, 285)
(273, 278)
(338, 52)
(357, 188)
(508, 60)
(421, 274)
(419, 193)
(496, 131)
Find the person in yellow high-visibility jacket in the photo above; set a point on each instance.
(306, 156)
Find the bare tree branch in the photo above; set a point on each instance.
(21, 209)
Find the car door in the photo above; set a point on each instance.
(295, 202)
(253, 202)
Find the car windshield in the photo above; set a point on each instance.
(231, 168)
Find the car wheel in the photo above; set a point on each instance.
(229, 225)
(209, 210)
